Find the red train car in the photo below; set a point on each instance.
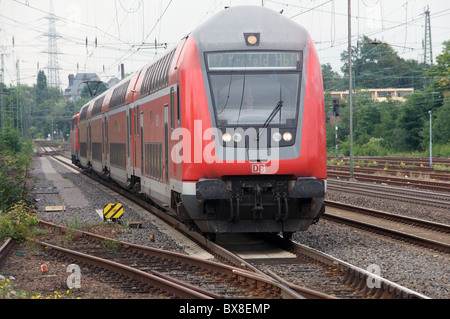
(226, 130)
(74, 144)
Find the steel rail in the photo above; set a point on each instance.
(306, 292)
(394, 217)
(5, 248)
(251, 277)
(387, 192)
(437, 186)
(164, 284)
(360, 279)
(440, 246)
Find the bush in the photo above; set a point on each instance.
(9, 141)
(372, 148)
(18, 222)
(12, 175)
(440, 150)
(11, 182)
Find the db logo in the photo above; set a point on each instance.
(258, 168)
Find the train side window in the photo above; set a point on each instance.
(143, 88)
(136, 121)
(161, 70)
(146, 159)
(165, 70)
(155, 77)
(166, 75)
(149, 160)
(158, 75)
(152, 81)
(178, 106)
(146, 89)
(152, 159)
(161, 169)
(157, 161)
(172, 106)
(138, 115)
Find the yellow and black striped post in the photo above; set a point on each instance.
(113, 211)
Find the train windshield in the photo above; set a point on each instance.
(255, 88)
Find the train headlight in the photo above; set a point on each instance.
(277, 137)
(226, 137)
(237, 137)
(287, 136)
(252, 39)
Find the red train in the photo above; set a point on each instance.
(225, 131)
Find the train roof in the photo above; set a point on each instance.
(228, 28)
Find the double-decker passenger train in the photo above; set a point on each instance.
(226, 130)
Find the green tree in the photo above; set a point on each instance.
(94, 89)
(441, 71)
(377, 65)
(41, 88)
(441, 125)
(332, 81)
(9, 139)
(411, 119)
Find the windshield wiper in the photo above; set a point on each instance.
(271, 116)
(274, 112)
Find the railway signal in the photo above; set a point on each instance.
(336, 107)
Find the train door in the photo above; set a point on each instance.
(166, 139)
(129, 135)
(137, 146)
(106, 140)
(89, 142)
(141, 123)
(103, 142)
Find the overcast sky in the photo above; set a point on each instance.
(126, 30)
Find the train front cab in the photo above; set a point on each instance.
(236, 189)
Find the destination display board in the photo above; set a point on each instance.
(263, 60)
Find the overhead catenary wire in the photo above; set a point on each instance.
(113, 50)
(132, 48)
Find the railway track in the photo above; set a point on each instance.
(396, 181)
(307, 269)
(358, 281)
(392, 160)
(420, 173)
(150, 272)
(174, 274)
(420, 232)
(342, 282)
(428, 198)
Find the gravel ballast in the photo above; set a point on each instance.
(419, 269)
(45, 194)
